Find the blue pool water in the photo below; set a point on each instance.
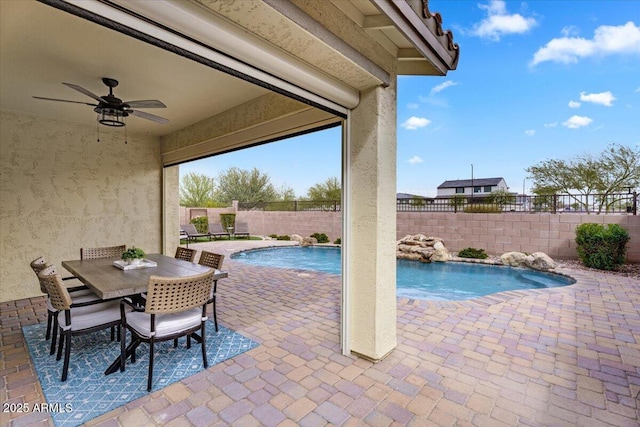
(433, 281)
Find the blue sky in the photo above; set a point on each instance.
(536, 80)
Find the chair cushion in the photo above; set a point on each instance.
(166, 324)
(92, 315)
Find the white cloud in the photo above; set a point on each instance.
(575, 122)
(570, 31)
(551, 125)
(530, 132)
(415, 160)
(413, 106)
(498, 22)
(603, 98)
(413, 123)
(607, 40)
(443, 86)
(574, 104)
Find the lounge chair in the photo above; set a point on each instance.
(192, 233)
(242, 229)
(215, 230)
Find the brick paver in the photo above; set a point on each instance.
(564, 357)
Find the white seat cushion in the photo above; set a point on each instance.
(92, 315)
(166, 324)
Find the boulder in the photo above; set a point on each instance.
(536, 261)
(296, 238)
(423, 248)
(514, 259)
(440, 254)
(309, 241)
(540, 261)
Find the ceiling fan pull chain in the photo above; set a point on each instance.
(125, 132)
(98, 129)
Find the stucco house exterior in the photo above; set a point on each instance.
(233, 74)
(479, 187)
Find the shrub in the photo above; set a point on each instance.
(273, 236)
(482, 208)
(320, 237)
(227, 220)
(285, 237)
(201, 223)
(473, 253)
(601, 247)
(338, 241)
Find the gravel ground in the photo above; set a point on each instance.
(626, 270)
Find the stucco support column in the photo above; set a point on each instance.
(170, 209)
(372, 234)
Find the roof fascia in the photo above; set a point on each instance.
(443, 58)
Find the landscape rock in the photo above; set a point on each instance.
(422, 248)
(296, 238)
(536, 261)
(309, 241)
(540, 261)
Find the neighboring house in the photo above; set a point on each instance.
(412, 199)
(480, 187)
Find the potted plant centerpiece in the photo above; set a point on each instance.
(133, 255)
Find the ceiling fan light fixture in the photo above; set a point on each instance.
(112, 117)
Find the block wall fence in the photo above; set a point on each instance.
(553, 234)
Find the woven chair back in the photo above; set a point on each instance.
(104, 252)
(211, 259)
(52, 282)
(185, 254)
(37, 265)
(175, 294)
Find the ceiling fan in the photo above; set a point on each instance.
(112, 110)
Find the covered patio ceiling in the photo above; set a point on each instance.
(42, 47)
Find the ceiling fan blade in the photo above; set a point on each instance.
(146, 103)
(85, 91)
(148, 116)
(65, 100)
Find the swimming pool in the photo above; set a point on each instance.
(434, 281)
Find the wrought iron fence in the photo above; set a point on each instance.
(552, 203)
(292, 205)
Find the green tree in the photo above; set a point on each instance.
(330, 189)
(286, 193)
(501, 198)
(196, 190)
(248, 186)
(612, 171)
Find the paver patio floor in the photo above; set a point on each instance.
(559, 357)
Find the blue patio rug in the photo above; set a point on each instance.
(88, 393)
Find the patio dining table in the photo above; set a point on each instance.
(108, 281)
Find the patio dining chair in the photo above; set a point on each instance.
(103, 252)
(214, 261)
(79, 293)
(185, 254)
(76, 318)
(175, 307)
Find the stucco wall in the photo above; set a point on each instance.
(496, 233)
(61, 190)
